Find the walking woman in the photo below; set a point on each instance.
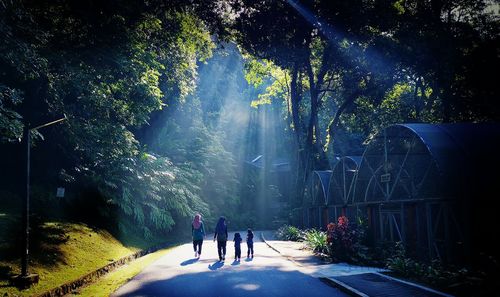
(198, 232)
(221, 235)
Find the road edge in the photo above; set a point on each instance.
(326, 280)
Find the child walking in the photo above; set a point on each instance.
(237, 246)
(249, 243)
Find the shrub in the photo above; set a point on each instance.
(316, 240)
(291, 233)
(340, 239)
(401, 264)
(449, 278)
(347, 242)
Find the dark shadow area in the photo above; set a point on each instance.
(269, 281)
(5, 272)
(44, 241)
(189, 262)
(216, 265)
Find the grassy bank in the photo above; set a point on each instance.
(66, 252)
(112, 281)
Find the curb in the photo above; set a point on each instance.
(350, 290)
(328, 281)
(342, 286)
(289, 258)
(272, 247)
(414, 285)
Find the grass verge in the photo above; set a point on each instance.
(115, 279)
(66, 252)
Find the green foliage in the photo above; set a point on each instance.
(374, 65)
(399, 263)
(108, 68)
(316, 240)
(291, 233)
(112, 67)
(458, 280)
(11, 126)
(154, 193)
(209, 169)
(399, 7)
(270, 80)
(20, 61)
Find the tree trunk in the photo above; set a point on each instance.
(295, 100)
(314, 139)
(314, 106)
(336, 119)
(416, 99)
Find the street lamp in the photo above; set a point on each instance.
(26, 279)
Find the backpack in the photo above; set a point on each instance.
(221, 236)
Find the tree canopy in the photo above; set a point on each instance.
(166, 102)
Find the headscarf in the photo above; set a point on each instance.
(197, 221)
(221, 225)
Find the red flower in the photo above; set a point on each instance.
(343, 221)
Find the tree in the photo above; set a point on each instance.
(107, 66)
(372, 64)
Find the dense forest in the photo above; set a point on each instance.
(167, 102)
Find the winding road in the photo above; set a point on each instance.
(268, 274)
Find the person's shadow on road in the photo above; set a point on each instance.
(216, 265)
(190, 261)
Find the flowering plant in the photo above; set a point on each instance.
(329, 233)
(340, 238)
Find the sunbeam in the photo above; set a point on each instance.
(377, 63)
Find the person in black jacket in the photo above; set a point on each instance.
(221, 236)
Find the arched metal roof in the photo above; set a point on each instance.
(324, 178)
(455, 146)
(278, 164)
(349, 164)
(355, 159)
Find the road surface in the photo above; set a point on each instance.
(268, 274)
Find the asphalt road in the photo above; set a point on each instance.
(268, 274)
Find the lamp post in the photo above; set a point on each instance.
(25, 277)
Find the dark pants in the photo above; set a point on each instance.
(197, 245)
(221, 248)
(250, 249)
(237, 252)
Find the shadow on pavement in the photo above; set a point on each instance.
(264, 281)
(216, 265)
(190, 261)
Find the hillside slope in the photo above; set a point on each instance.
(64, 252)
